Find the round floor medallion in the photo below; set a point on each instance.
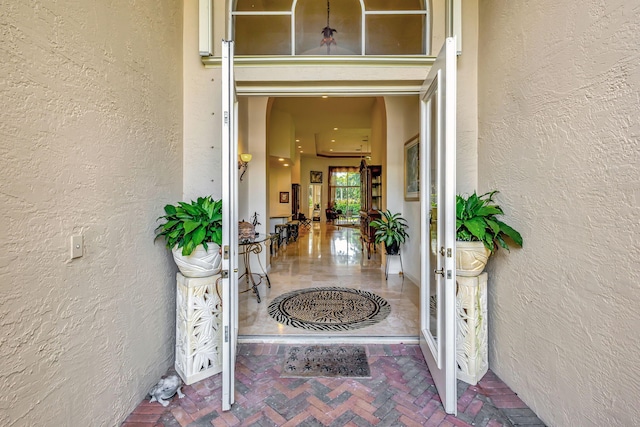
(329, 309)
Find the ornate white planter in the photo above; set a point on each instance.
(472, 353)
(201, 262)
(471, 258)
(198, 328)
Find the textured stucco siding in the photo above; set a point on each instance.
(559, 91)
(91, 129)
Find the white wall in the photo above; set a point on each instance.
(403, 123)
(92, 145)
(244, 186)
(467, 105)
(559, 85)
(255, 177)
(379, 133)
(281, 134)
(279, 181)
(202, 114)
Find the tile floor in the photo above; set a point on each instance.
(328, 255)
(400, 392)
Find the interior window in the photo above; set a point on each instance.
(344, 191)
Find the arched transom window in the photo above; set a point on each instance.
(331, 27)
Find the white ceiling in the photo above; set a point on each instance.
(331, 127)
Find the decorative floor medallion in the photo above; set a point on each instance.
(329, 309)
(325, 361)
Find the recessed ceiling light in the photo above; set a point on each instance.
(335, 128)
(286, 164)
(281, 159)
(324, 96)
(330, 149)
(299, 146)
(301, 151)
(333, 140)
(297, 140)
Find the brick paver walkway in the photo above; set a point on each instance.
(400, 392)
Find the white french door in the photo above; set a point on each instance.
(438, 217)
(229, 226)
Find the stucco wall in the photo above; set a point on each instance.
(559, 85)
(91, 125)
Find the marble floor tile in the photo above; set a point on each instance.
(330, 255)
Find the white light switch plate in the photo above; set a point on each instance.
(76, 246)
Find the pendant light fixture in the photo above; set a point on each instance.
(327, 32)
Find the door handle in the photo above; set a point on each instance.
(440, 272)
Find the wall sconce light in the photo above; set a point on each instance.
(245, 158)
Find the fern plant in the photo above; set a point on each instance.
(191, 224)
(476, 220)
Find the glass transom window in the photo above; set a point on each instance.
(333, 27)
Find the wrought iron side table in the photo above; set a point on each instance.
(248, 247)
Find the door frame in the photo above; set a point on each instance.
(229, 226)
(270, 89)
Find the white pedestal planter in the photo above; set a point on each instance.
(201, 262)
(198, 328)
(471, 258)
(472, 353)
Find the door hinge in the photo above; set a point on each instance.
(226, 117)
(225, 252)
(448, 274)
(226, 334)
(449, 253)
(224, 274)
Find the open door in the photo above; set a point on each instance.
(229, 226)
(438, 219)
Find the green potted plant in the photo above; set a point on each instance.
(479, 232)
(193, 232)
(390, 230)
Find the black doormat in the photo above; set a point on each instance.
(326, 361)
(329, 309)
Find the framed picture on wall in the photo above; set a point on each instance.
(316, 177)
(284, 197)
(412, 169)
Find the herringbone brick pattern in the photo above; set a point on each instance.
(400, 392)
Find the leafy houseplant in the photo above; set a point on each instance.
(476, 221)
(390, 230)
(191, 224)
(193, 232)
(479, 232)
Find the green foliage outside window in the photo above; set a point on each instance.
(347, 192)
